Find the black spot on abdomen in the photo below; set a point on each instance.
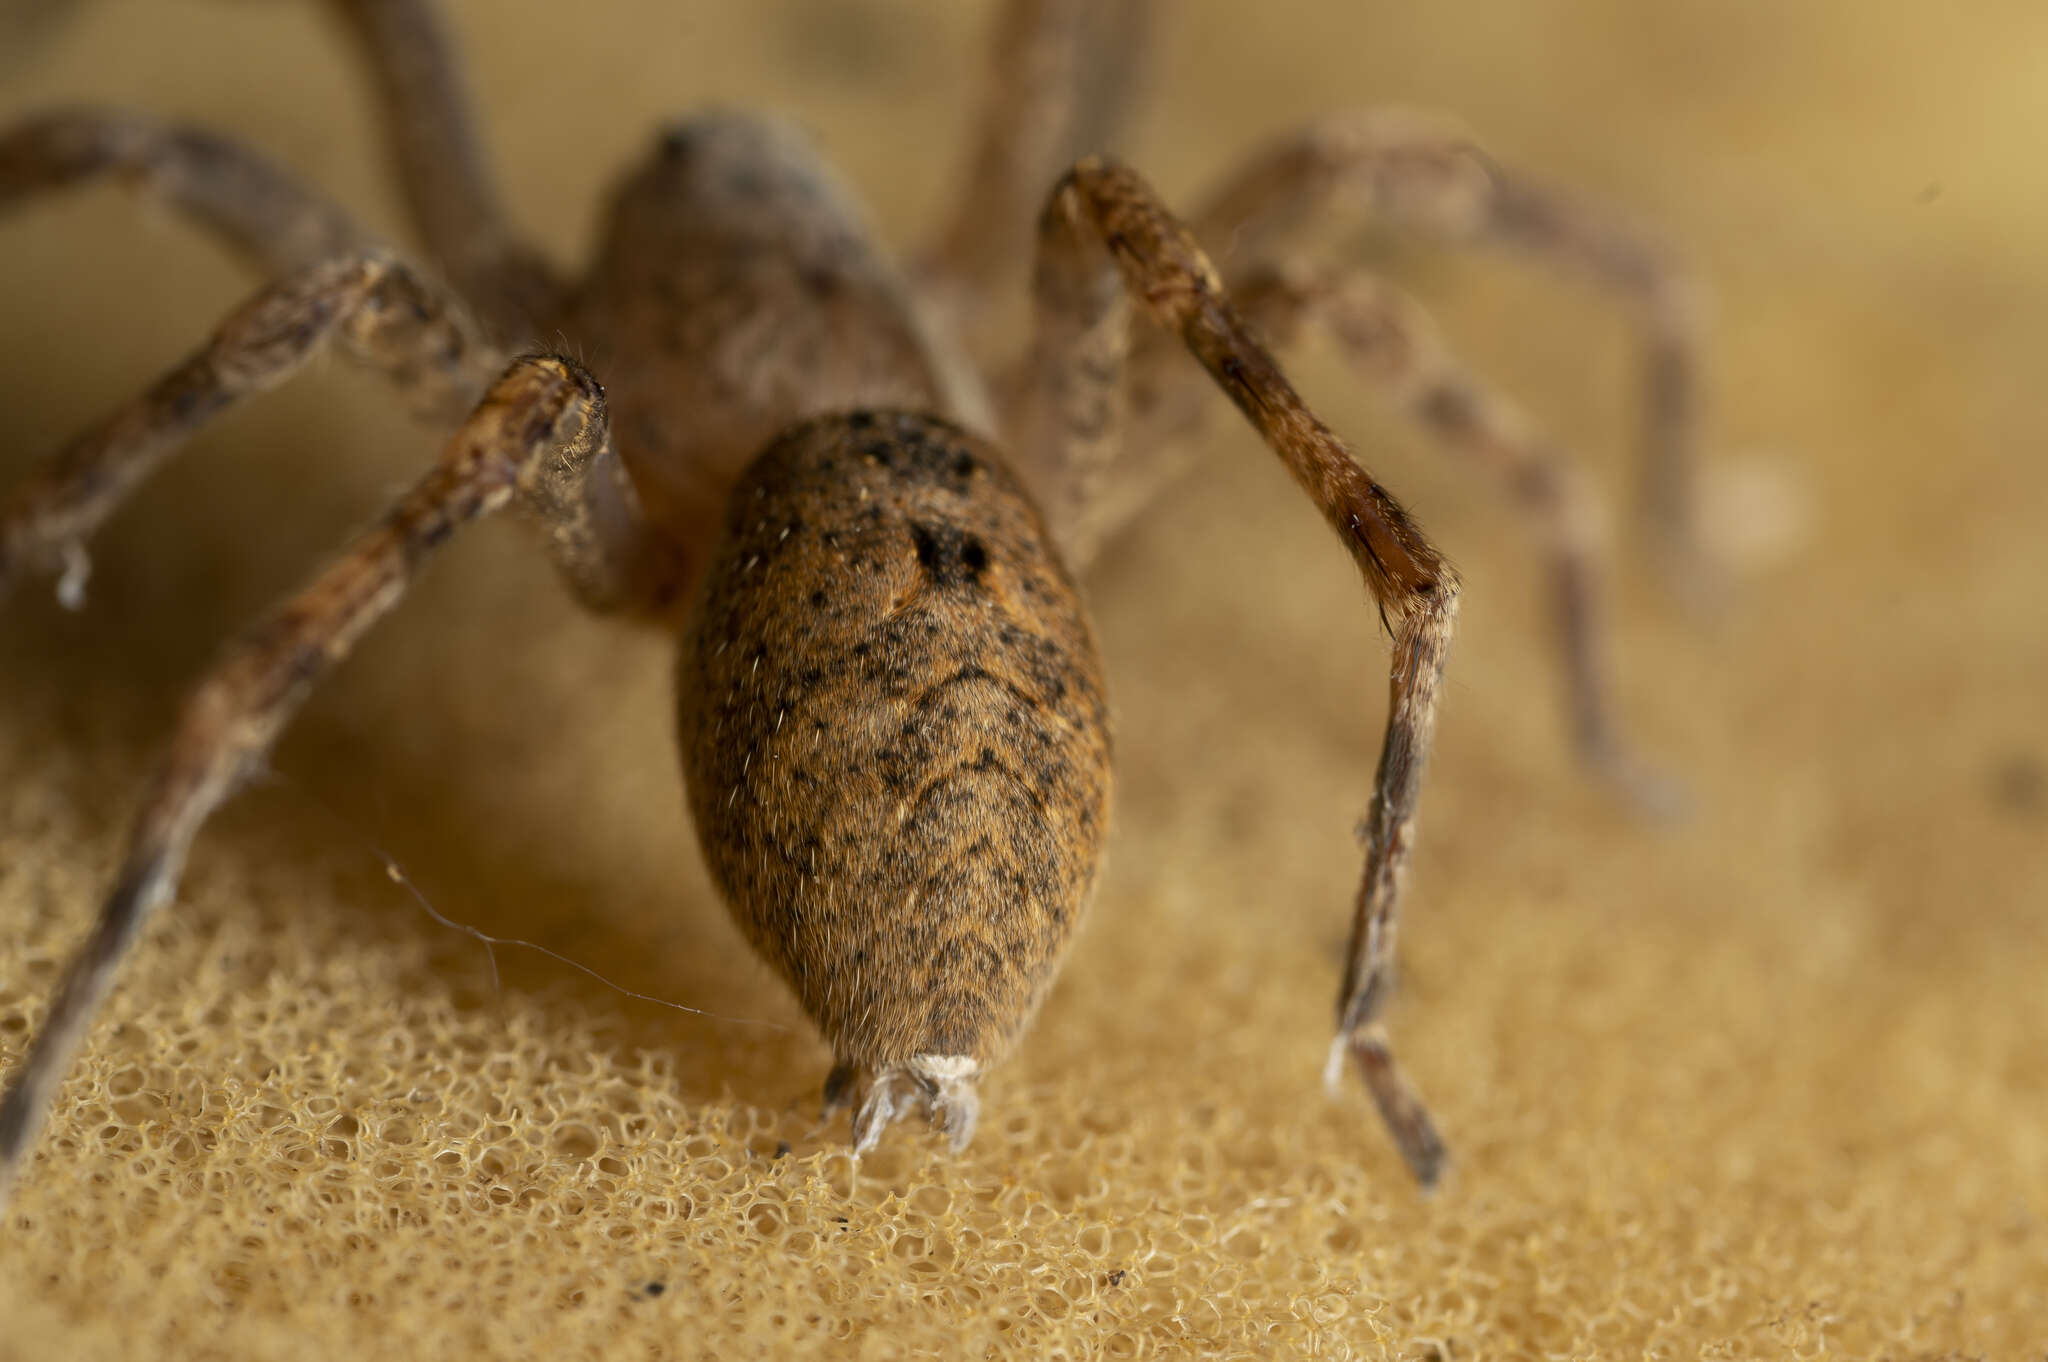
(948, 555)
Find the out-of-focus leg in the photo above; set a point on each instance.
(431, 126)
(1420, 174)
(1061, 74)
(376, 308)
(261, 212)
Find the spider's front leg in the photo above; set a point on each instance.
(1103, 220)
(538, 425)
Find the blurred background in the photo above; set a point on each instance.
(1772, 1079)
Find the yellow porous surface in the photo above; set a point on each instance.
(1767, 1081)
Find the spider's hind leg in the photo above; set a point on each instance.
(260, 211)
(1422, 176)
(374, 306)
(1059, 83)
(432, 132)
(383, 314)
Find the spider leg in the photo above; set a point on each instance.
(543, 411)
(430, 125)
(1018, 136)
(1422, 176)
(1392, 345)
(375, 307)
(589, 513)
(1390, 341)
(383, 314)
(1102, 221)
(1067, 406)
(1117, 50)
(1060, 75)
(259, 210)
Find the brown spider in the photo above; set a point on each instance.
(891, 712)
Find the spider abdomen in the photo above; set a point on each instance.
(895, 737)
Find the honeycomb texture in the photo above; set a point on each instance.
(1768, 1083)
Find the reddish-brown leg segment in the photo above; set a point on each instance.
(542, 411)
(1101, 214)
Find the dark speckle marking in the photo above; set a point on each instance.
(947, 555)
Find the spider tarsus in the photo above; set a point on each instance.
(1407, 1120)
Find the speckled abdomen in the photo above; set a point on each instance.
(895, 736)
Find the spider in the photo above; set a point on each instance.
(891, 714)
